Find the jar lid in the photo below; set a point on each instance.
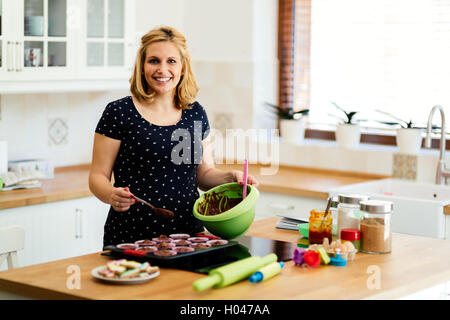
(377, 206)
(352, 198)
(350, 234)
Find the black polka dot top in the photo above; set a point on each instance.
(158, 164)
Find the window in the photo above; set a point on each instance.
(370, 54)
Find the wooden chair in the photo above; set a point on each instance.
(12, 239)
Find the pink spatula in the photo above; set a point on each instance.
(244, 191)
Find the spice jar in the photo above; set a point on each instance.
(348, 211)
(320, 227)
(352, 235)
(376, 226)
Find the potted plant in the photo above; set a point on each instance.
(348, 131)
(408, 135)
(292, 126)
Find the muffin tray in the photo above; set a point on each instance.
(193, 261)
(143, 254)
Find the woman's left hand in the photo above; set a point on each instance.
(238, 176)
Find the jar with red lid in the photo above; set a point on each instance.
(352, 235)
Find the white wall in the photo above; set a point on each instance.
(153, 13)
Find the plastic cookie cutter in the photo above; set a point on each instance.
(324, 258)
(312, 258)
(337, 260)
(298, 256)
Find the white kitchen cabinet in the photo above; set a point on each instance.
(38, 43)
(72, 40)
(108, 44)
(447, 227)
(270, 204)
(58, 230)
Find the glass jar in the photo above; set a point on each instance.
(348, 211)
(376, 226)
(334, 214)
(320, 227)
(352, 235)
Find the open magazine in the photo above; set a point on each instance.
(23, 180)
(289, 222)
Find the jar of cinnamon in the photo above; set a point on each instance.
(376, 226)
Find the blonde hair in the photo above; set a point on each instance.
(187, 88)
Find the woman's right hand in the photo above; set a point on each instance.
(121, 199)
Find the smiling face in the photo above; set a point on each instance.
(163, 67)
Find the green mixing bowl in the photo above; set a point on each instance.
(235, 222)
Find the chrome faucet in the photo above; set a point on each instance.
(442, 170)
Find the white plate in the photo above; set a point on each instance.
(95, 274)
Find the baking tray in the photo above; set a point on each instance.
(203, 260)
(200, 260)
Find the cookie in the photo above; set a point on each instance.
(105, 272)
(145, 242)
(129, 273)
(129, 246)
(115, 268)
(218, 242)
(183, 249)
(162, 238)
(200, 245)
(179, 236)
(148, 248)
(165, 245)
(181, 242)
(165, 253)
(130, 264)
(197, 239)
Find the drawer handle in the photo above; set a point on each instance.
(18, 56)
(78, 223)
(11, 55)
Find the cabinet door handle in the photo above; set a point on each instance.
(81, 224)
(77, 223)
(18, 56)
(11, 56)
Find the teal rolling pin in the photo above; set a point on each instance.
(233, 272)
(267, 272)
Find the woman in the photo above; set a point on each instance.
(138, 139)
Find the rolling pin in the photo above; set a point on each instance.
(233, 272)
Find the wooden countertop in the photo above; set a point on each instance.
(72, 183)
(68, 183)
(416, 263)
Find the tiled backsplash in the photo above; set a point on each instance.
(404, 166)
(58, 126)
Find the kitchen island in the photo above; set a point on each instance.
(416, 263)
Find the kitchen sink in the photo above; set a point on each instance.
(418, 207)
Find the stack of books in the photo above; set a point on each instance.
(289, 222)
